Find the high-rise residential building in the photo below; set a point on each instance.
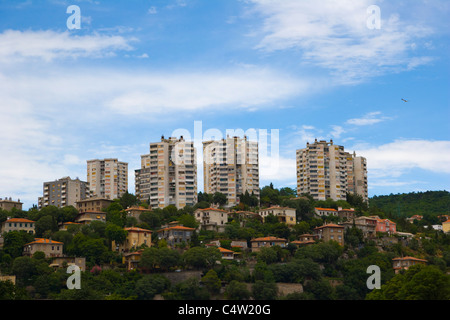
(107, 178)
(231, 167)
(326, 170)
(63, 192)
(168, 174)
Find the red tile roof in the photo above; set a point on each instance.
(268, 239)
(19, 220)
(177, 228)
(44, 241)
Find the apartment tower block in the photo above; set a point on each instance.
(63, 192)
(168, 174)
(325, 170)
(107, 178)
(231, 167)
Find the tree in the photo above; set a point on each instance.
(14, 242)
(417, 283)
(115, 233)
(199, 257)
(220, 199)
(150, 285)
(267, 255)
(237, 291)
(189, 221)
(264, 290)
(127, 200)
(152, 219)
(212, 282)
(45, 225)
(188, 290)
(162, 258)
(321, 289)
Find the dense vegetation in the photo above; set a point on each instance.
(429, 203)
(325, 270)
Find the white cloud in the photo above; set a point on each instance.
(277, 168)
(335, 36)
(393, 160)
(48, 45)
(368, 119)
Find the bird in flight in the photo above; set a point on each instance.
(405, 100)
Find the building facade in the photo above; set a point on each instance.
(211, 219)
(136, 237)
(92, 204)
(168, 174)
(8, 204)
(325, 170)
(330, 232)
(265, 242)
(18, 224)
(284, 214)
(107, 178)
(49, 247)
(176, 234)
(231, 167)
(63, 192)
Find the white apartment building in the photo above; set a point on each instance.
(63, 192)
(231, 167)
(107, 178)
(325, 170)
(168, 174)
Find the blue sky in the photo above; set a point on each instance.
(137, 70)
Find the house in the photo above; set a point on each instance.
(49, 247)
(365, 224)
(239, 244)
(414, 217)
(18, 224)
(136, 237)
(284, 214)
(227, 254)
(305, 239)
(89, 216)
(61, 262)
(176, 234)
(93, 204)
(446, 226)
(325, 212)
(212, 219)
(259, 243)
(385, 225)
(405, 262)
(66, 225)
(136, 211)
(329, 232)
(131, 259)
(9, 204)
(346, 214)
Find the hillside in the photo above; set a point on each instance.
(433, 203)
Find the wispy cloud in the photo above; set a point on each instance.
(368, 119)
(395, 158)
(334, 35)
(48, 45)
